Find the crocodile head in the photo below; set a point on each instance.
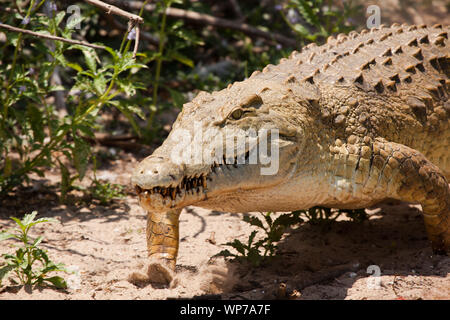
(242, 140)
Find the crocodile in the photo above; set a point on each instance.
(359, 119)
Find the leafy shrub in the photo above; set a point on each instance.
(36, 133)
(23, 262)
(31, 127)
(259, 251)
(319, 19)
(322, 215)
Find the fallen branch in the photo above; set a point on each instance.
(124, 142)
(236, 9)
(202, 18)
(50, 37)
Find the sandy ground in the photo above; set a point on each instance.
(105, 244)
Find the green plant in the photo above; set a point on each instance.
(356, 215)
(312, 20)
(172, 39)
(104, 191)
(34, 134)
(23, 262)
(321, 215)
(98, 189)
(259, 251)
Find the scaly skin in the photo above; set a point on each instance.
(362, 118)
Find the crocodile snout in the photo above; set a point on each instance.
(155, 171)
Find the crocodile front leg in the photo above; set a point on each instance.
(162, 245)
(384, 169)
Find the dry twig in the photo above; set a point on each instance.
(50, 37)
(115, 10)
(134, 21)
(201, 18)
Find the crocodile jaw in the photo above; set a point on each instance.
(162, 185)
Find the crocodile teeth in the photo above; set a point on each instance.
(204, 182)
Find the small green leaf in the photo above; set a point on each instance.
(180, 58)
(28, 218)
(112, 52)
(19, 223)
(80, 154)
(35, 117)
(4, 272)
(37, 241)
(287, 220)
(126, 111)
(56, 88)
(57, 281)
(59, 17)
(127, 86)
(225, 253)
(254, 221)
(86, 130)
(73, 21)
(13, 38)
(42, 220)
(90, 56)
(100, 84)
(239, 246)
(60, 58)
(75, 66)
(177, 98)
(251, 238)
(268, 219)
(5, 235)
(7, 169)
(137, 111)
(300, 29)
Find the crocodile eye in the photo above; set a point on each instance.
(237, 114)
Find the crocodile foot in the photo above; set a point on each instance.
(158, 274)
